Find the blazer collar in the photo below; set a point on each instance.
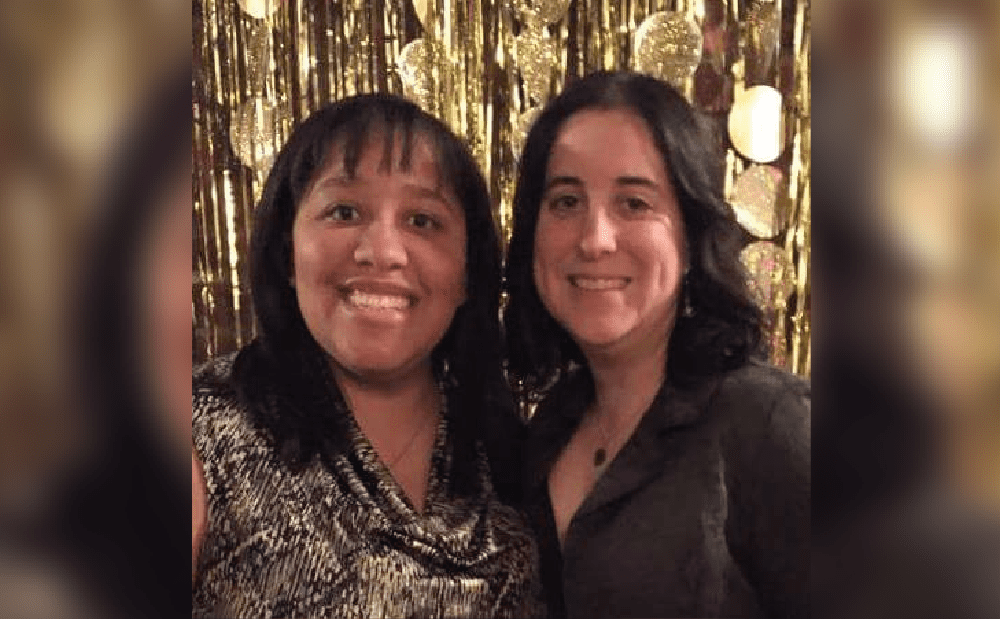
(642, 456)
(638, 460)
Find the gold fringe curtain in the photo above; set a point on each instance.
(486, 67)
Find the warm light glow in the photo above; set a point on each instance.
(932, 81)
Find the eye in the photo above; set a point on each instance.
(564, 203)
(341, 212)
(423, 221)
(637, 205)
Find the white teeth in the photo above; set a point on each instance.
(378, 301)
(593, 283)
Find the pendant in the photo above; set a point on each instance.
(599, 456)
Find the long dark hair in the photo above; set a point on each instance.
(725, 329)
(286, 363)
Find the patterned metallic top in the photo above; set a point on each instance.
(346, 542)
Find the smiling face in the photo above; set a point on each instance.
(609, 252)
(379, 262)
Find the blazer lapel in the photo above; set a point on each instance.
(642, 457)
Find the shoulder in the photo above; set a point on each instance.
(762, 384)
(212, 395)
(764, 396)
(214, 370)
(768, 414)
(222, 428)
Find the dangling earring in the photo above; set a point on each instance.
(688, 310)
(446, 378)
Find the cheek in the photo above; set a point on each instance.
(454, 282)
(540, 269)
(315, 256)
(667, 256)
(548, 238)
(442, 268)
(305, 255)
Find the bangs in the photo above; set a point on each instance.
(396, 131)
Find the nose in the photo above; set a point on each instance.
(598, 235)
(381, 245)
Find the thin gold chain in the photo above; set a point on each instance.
(406, 448)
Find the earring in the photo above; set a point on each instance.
(446, 378)
(688, 310)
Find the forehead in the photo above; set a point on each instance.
(613, 142)
(383, 153)
(378, 162)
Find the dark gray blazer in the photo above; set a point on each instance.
(703, 513)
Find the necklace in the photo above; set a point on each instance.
(599, 456)
(406, 448)
(607, 438)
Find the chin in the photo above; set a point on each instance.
(370, 365)
(378, 366)
(599, 335)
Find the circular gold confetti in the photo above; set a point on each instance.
(668, 46)
(757, 123)
(258, 130)
(755, 200)
(259, 9)
(415, 72)
(522, 126)
(771, 277)
(536, 55)
(542, 11)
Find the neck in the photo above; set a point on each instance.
(625, 384)
(389, 407)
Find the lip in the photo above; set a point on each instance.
(380, 288)
(599, 282)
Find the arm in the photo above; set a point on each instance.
(199, 510)
(768, 477)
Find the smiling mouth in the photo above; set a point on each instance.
(599, 283)
(370, 300)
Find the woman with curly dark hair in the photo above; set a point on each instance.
(667, 465)
(360, 456)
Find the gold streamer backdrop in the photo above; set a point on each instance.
(486, 68)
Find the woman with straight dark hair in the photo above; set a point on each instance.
(360, 456)
(667, 466)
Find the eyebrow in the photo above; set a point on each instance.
(333, 180)
(433, 194)
(343, 180)
(562, 180)
(640, 181)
